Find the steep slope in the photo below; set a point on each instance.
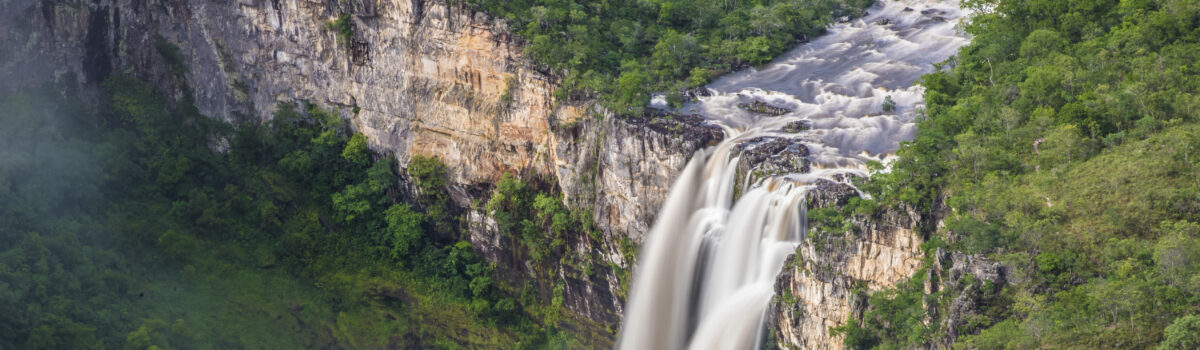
(416, 77)
(1061, 145)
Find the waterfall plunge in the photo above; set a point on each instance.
(706, 273)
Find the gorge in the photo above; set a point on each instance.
(652, 174)
(446, 81)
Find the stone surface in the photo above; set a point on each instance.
(768, 156)
(949, 274)
(764, 108)
(797, 126)
(821, 276)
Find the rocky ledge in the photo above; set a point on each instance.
(768, 156)
(689, 126)
(764, 108)
(797, 126)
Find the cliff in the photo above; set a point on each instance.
(826, 281)
(416, 77)
(432, 79)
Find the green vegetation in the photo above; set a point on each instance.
(541, 230)
(537, 221)
(153, 227)
(172, 55)
(1183, 334)
(1063, 143)
(622, 50)
(343, 26)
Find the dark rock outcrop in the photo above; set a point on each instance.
(797, 126)
(768, 156)
(763, 108)
(970, 282)
(695, 93)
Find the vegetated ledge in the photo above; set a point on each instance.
(825, 282)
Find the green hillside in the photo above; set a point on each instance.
(1063, 142)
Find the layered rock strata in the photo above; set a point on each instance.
(825, 282)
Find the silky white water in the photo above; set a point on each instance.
(706, 273)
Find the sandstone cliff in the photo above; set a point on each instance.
(417, 77)
(825, 282)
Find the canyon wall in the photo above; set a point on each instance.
(828, 280)
(427, 78)
(825, 283)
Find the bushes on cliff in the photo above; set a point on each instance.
(536, 220)
(623, 50)
(343, 26)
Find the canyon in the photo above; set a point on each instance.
(443, 80)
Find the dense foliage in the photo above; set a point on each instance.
(147, 225)
(625, 49)
(1062, 142)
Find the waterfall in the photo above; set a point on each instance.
(707, 269)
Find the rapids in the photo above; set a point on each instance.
(705, 276)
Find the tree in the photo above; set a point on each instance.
(403, 230)
(1177, 254)
(755, 50)
(631, 92)
(698, 76)
(429, 174)
(888, 104)
(1042, 42)
(356, 150)
(1184, 333)
(674, 53)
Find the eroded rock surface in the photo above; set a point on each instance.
(821, 278)
(971, 282)
(764, 108)
(768, 156)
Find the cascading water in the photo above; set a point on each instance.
(705, 276)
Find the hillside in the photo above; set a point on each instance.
(1061, 143)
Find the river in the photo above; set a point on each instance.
(705, 276)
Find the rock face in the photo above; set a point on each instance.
(417, 78)
(827, 281)
(764, 108)
(624, 167)
(768, 156)
(966, 295)
(823, 283)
